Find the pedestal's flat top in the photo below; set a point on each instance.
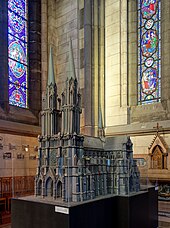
(59, 202)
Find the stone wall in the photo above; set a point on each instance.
(19, 126)
(121, 67)
(63, 25)
(116, 62)
(18, 155)
(151, 112)
(123, 115)
(62, 19)
(76, 19)
(60, 22)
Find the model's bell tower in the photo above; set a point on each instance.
(71, 140)
(71, 100)
(50, 114)
(50, 123)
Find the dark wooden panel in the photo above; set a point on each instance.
(139, 210)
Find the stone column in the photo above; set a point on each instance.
(95, 72)
(123, 56)
(88, 67)
(116, 63)
(101, 63)
(165, 57)
(34, 48)
(132, 52)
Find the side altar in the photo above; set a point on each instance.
(82, 181)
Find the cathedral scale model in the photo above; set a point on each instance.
(66, 169)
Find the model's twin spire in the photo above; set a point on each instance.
(71, 68)
(70, 100)
(51, 75)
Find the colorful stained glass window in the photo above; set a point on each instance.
(17, 53)
(149, 51)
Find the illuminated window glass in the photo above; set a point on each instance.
(17, 52)
(149, 51)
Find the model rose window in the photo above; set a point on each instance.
(149, 51)
(17, 53)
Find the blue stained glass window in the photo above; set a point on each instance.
(17, 53)
(149, 51)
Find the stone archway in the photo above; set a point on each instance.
(157, 158)
(158, 152)
(59, 189)
(49, 187)
(39, 190)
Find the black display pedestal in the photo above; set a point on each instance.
(136, 211)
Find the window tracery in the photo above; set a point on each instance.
(149, 51)
(17, 53)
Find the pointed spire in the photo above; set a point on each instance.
(51, 76)
(71, 68)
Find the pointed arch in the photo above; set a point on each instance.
(59, 189)
(49, 187)
(50, 183)
(157, 158)
(158, 152)
(39, 187)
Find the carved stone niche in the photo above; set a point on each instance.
(158, 152)
(1, 144)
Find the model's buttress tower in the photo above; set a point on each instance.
(51, 126)
(71, 140)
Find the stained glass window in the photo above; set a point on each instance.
(149, 51)
(17, 52)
